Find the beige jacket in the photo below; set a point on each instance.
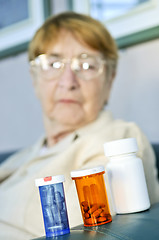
(20, 207)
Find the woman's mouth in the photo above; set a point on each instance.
(68, 101)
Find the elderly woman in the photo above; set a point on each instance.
(73, 61)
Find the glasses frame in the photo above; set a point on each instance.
(42, 62)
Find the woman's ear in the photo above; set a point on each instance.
(109, 81)
(35, 81)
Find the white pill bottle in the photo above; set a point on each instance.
(126, 176)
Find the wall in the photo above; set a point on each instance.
(134, 96)
(20, 114)
(135, 93)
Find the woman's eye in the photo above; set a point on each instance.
(55, 64)
(91, 66)
(88, 66)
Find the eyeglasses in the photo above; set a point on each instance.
(84, 66)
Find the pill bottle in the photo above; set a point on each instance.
(92, 196)
(126, 176)
(53, 205)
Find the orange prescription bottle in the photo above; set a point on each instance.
(92, 195)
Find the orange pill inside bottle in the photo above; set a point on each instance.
(92, 195)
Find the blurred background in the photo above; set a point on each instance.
(135, 94)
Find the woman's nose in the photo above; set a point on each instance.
(68, 78)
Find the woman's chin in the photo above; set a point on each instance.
(70, 118)
(74, 116)
(77, 122)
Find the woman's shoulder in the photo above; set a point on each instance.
(18, 158)
(108, 128)
(91, 140)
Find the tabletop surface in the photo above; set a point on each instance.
(135, 226)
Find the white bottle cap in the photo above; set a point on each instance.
(49, 180)
(85, 172)
(121, 146)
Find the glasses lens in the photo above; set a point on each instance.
(85, 67)
(89, 67)
(50, 66)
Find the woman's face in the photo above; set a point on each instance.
(68, 99)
